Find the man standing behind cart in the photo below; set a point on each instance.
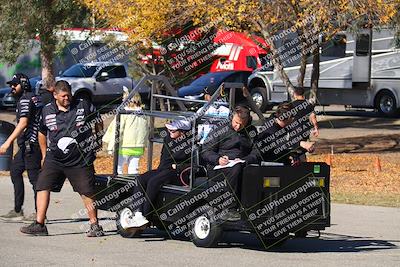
(67, 141)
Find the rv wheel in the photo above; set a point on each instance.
(386, 104)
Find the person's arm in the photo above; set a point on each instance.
(43, 145)
(313, 120)
(19, 129)
(210, 149)
(307, 145)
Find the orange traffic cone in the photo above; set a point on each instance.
(329, 160)
(378, 166)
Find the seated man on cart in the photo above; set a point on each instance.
(174, 157)
(227, 151)
(281, 140)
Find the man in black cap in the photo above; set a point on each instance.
(26, 132)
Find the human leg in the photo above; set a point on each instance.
(133, 164)
(120, 166)
(16, 171)
(33, 166)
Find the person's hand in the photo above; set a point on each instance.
(315, 132)
(174, 166)
(223, 160)
(3, 148)
(41, 163)
(309, 146)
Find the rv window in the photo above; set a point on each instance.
(251, 62)
(362, 45)
(335, 47)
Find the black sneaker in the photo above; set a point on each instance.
(35, 228)
(95, 230)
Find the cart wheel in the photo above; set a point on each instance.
(119, 221)
(206, 232)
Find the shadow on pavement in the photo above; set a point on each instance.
(327, 243)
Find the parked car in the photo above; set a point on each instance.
(212, 81)
(100, 82)
(7, 100)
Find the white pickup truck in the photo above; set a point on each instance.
(100, 82)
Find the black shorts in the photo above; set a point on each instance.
(52, 177)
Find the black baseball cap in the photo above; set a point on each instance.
(16, 79)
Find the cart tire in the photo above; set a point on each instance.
(130, 232)
(206, 232)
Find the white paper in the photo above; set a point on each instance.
(229, 165)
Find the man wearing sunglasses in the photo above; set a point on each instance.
(26, 132)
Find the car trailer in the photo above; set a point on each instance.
(276, 202)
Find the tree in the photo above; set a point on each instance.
(157, 30)
(25, 20)
(272, 19)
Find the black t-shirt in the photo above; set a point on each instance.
(302, 109)
(70, 138)
(29, 106)
(276, 144)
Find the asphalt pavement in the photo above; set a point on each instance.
(359, 236)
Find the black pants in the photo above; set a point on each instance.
(150, 184)
(29, 161)
(232, 175)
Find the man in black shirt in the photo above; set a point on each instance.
(227, 144)
(26, 132)
(304, 111)
(281, 140)
(68, 143)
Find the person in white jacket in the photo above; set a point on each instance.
(134, 130)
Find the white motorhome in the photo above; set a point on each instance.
(366, 76)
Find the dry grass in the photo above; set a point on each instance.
(354, 179)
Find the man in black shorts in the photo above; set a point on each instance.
(28, 155)
(66, 139)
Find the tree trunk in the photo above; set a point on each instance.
(47, 48)
(314, 75)
(278, 64)
(303, 60)
(47, 69)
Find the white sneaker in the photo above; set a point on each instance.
(140, 220)
(128, 220)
